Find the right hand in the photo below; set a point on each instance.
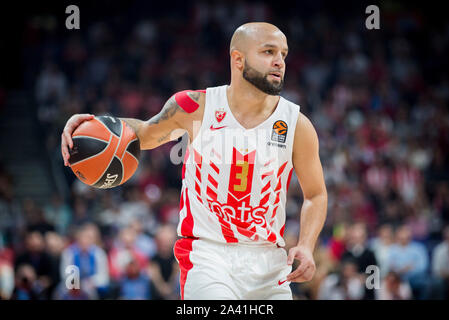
(66, 136)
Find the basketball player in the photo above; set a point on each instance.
(232, 212)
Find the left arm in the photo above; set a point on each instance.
(307, 164)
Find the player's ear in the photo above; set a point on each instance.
(238, 59)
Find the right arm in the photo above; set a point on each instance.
(169, 124)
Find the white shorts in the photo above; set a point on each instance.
(223, 271)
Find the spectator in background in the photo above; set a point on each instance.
(55, 244)
(90, 259)
(381, 247)
(80, 212)
(135, 283)
(337, 243)
(36, 256)
(123, 252)
(346, 284)
(35, 218)
(440, 262)
(26, 286)
(58, 213)
(410, 261)
(144, 242)
(357, 250)
(164, 268)
(51, 84)
(6, 278)
(393, 288)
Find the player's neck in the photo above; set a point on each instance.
(245, 99)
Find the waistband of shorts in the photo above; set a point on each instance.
(262, 245)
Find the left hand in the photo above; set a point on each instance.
(306, 268)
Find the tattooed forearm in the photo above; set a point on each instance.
(168, 111)
(164, 137)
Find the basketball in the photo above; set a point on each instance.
(105, 152)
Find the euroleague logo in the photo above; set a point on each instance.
(279, 132)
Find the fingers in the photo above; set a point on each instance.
(82, 117)
(299, 271)
(291, 255)
(307, 275)
(66, 141)
(66, 136)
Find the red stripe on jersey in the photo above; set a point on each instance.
(212, 181)
(197, 158)
(198, 174)
(279, 186)
(264, 199)
(211, 193)
(214, 166)
(282, 230)
(267, 174)
(185, 102)
(272, 237)
(187, 222)
(266, 187)
(198, 189)
(277, 198)
(281, 169)
(228, 234)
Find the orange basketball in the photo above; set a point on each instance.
(105, 152)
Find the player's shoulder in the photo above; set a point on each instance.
(191, 102)
(304, 128)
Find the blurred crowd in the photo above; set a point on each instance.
(378, 100)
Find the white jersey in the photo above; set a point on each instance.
(235, 180)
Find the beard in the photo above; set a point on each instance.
(261, 82)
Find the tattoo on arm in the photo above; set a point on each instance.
(194, 95)
(164, 137)
(168, 111)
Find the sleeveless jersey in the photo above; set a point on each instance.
(235, 180)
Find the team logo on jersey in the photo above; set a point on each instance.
(279, 132)
(219, 115)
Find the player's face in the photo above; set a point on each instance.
(264, 65)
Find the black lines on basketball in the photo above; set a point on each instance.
(112, 123)
(85, 147)
(134, 148)
(113, 175)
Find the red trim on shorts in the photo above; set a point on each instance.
(182, 250)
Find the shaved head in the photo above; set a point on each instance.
(249, 33)
(258, 50)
